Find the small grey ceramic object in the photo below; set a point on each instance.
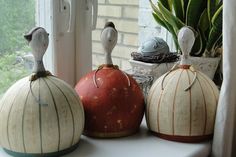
(153, 46)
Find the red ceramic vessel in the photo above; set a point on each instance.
(113, 103)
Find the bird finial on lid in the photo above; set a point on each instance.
(38, 41)
(109, 37)
(186, 40)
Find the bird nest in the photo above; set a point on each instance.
(157, 58)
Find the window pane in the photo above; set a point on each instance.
(16, 18)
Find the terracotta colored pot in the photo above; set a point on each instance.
(113, 104)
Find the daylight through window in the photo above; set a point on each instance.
(16, 18)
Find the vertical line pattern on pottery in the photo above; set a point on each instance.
(72, 94)
(73, 121)
(3, 102)
(9, 113)
(159, 102)
(69, 87)
(205, 123)
(190, 107)
(158, 111)
(149, 104)
(81, 109)
(4, 97)
(173, 110)
(210, 86)
(23, 118)
(58, 121)
(78, 101)
(215, 98)
(40, 121)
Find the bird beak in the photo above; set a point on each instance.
(28, 37)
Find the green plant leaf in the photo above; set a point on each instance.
(198, 45)
(178, 6)
(167, 26)
(161, 20)
(185, 9)
(216, 30)
(174, 14)
(219, 5)
(154, 8)
(166, 4)
(219, 42)
(173, 33)
(194, 10)
(211, 7)
(204, 22)
(158, 16)
(204, 41)
(172, 20)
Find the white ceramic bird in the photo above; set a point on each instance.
(38, 41)
(109, 37)
(186, 40)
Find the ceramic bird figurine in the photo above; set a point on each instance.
(40, 116)
(109, 37)
(113, 101)
(181, 104)
(186, 40)
(38, 41)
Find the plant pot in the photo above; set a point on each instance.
(155, 70)
(207, 65)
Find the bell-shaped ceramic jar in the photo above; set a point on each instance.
(181, 104)
(40, 115)
(113, 101)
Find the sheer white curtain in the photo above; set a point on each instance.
(69, 23)
(224, 141)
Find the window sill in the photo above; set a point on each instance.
(139, 145)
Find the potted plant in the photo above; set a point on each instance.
(204, 17)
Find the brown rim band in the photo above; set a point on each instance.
(187, 139)
(110, 134)
(184, 66)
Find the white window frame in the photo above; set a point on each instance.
(44, 19)
(70, 24)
